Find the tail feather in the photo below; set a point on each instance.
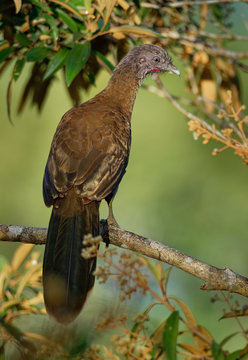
(67, 276)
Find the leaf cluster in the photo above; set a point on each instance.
(177, 335)
(79, 37)
(53, 35)
(167, 341)
(233, 133)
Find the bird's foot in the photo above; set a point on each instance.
(111, 221)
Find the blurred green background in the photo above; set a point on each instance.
(174, 191)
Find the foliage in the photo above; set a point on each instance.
(178, 334)
(227, 126)
(233, 135)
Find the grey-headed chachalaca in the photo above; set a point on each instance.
(87, 160)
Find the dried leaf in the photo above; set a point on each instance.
(110, 4)
(18, 5)
(234, 314)
(187, 312)
(124, 4)
(137, 30)
(28, 275)
(227, 132)
(209, 92)
(119, 36)
(158, 333)
(200, 58)
(204, 15)
(8, 304)
(4, 275)
(193, 349)
(40, 338)
(204, 341)
(20, 255)
(165, 277)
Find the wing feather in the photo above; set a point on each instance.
(86, 153)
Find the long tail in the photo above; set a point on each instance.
(67, 276)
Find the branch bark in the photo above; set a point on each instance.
(214, 278)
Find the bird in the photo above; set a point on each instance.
(87, 160)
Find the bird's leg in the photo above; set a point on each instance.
(111, 219)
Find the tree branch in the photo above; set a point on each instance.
(213, 277)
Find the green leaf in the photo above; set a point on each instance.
(3, 262)
(68, 20)
(37, 53)
(75, 5)
(165, 277)
(234, 355)
(56, 63)
(51, 21)
(41, 4)
(170, 336)
(91, 77)
(5, 53)
(18, 68)
(137, 3)
(87, 4)
(217, 351)
(9, 96)
(153, 352)
(216, 9)
(2, 352)
(153, 268)
(100, 24)
(134, 327)
(104, 59)
(76, 60)
(22, 39)
(79, 4)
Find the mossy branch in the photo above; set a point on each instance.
(214, 278)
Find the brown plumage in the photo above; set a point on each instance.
(88, 157)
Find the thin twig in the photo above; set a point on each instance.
(164, 93)
(176, 4)
(220, 110)
(228, 36)
(211, 50)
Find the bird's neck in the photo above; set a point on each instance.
(122, 89)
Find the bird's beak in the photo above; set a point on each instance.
(173, 69)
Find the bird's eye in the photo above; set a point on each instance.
(156, 59)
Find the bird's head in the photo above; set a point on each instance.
(150, 59)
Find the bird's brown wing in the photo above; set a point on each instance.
(87, 154)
